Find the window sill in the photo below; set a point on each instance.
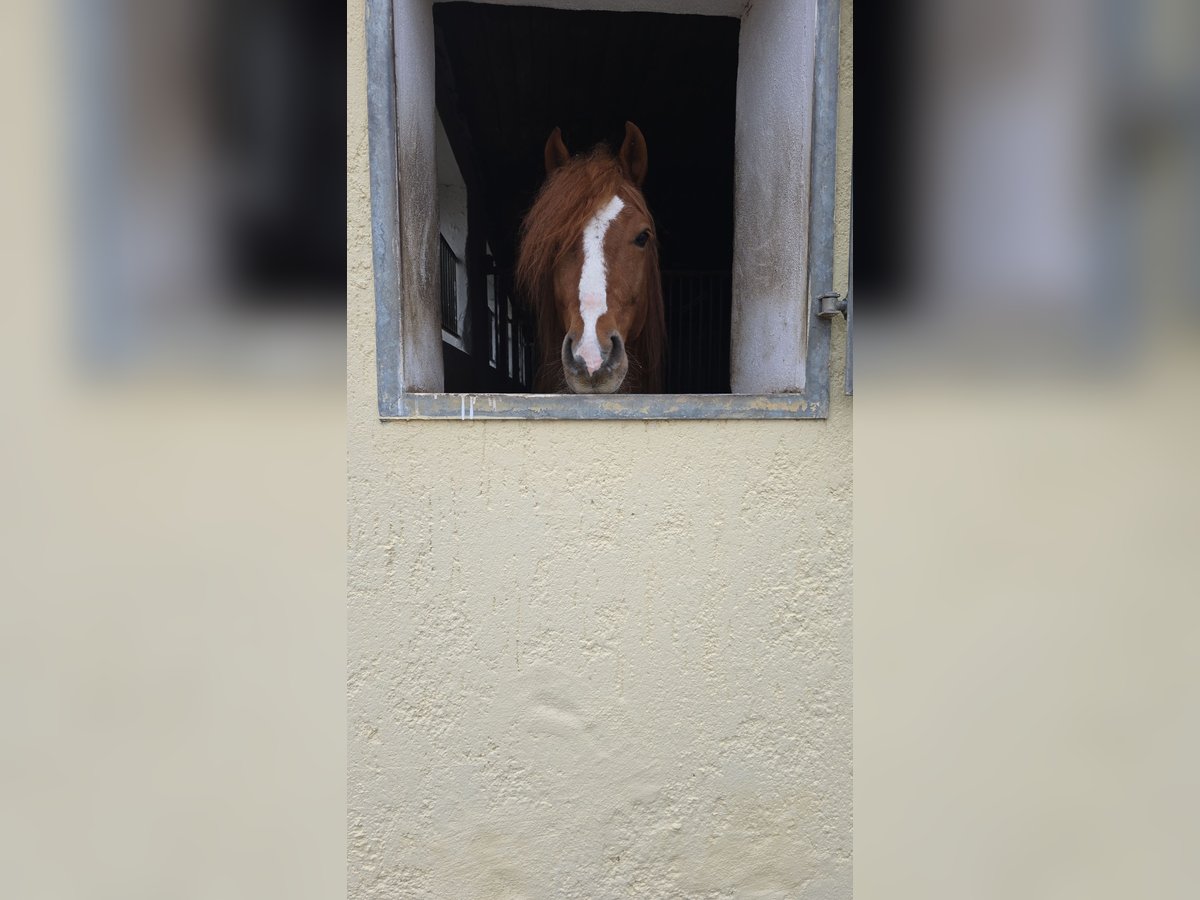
(469, 407)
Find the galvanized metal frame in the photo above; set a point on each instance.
(850, 308)
(396, 403)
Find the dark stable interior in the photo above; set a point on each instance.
(506, 76)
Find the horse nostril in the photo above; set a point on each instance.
(571, 359)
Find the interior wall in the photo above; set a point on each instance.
(452, 197)
(593, 659)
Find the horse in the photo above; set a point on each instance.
(588, 267)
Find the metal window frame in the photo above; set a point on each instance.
(397, 403)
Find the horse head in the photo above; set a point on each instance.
(588, 263)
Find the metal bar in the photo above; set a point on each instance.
(850, 307)
(714, 353)
(502, 355)
(385, 203)
(511, 333)
(821, 197)
(695, 288)
(469, 407)
(672, 332)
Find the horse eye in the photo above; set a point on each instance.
(642, 238)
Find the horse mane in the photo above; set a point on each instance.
(568, 199)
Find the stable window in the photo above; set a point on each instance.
(736, 100)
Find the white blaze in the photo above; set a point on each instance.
(593, 283)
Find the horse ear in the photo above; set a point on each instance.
(633, 154)
(556, 151)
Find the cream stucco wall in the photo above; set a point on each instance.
(594, 659)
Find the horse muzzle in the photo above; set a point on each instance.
(607, 379)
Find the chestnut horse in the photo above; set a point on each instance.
(588, 266)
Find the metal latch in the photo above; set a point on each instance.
(830, 304)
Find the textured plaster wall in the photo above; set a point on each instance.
(593, 659)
